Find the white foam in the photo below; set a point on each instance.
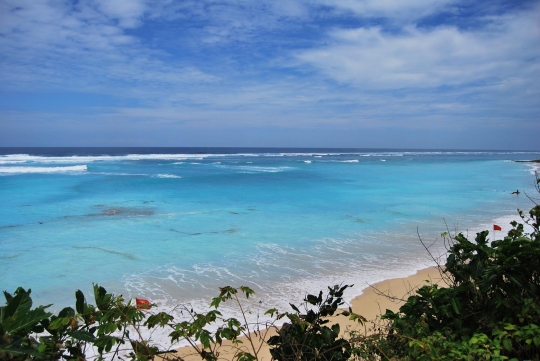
(503, 222)
(534, 168)
(307, 161)
(274, 295)
(16, 170)
(26, 158)
(167, 176)
(11, 161)
(380, 154)
(322, 270)
(120, 174)
(254, 169)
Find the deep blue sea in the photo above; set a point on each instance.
(174, 224)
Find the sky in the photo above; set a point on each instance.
(417, 74)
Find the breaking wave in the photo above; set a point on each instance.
(15, 170)
(167, 176)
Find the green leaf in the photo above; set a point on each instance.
(20, 303)
(205, 338)
(312, 299)
(58, 323)
(82, 335)
(271, 312)
(79, 305)
(245, 356)
(215, 302)
(108, 328)
(67, 312)
(27, 320)
(294, 307)
(160, 319)
(507, 343)
(247, 291)
(454, 305)
(358, 318)
(102, 298)
(21, 351)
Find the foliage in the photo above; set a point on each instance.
(491, 307)
(38, 335)
(114, 329)
(206, 343)
(307, 336)
(18, 322)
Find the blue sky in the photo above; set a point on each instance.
(306, 73)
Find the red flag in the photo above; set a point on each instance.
(497, 228)
(142, 304)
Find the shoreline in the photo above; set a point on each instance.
(371, 303)
(376, 298)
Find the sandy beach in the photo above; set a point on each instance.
(373, 302)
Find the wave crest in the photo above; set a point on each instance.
(18, 170)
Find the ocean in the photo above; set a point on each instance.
(174, 224)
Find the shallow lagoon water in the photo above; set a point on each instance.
(173, 225)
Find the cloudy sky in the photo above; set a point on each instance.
(297, 73)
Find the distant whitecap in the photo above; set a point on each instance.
(167, 176)
(15, 170)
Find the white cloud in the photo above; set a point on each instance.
(128, 12)
(82, 47)
(288, 8)
(442, 77)
(404, 9)
(425, 58)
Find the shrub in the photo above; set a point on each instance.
(491, 304)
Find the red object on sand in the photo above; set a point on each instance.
(497, 228)
(142, 304)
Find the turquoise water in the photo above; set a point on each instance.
(172, 225)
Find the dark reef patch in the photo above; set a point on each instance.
(230, 231)
(10, 226)
(10, 256)
(123, 212)
(124, 254)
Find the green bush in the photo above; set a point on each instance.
(27, 334)
(491, 307)
(306, 337)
